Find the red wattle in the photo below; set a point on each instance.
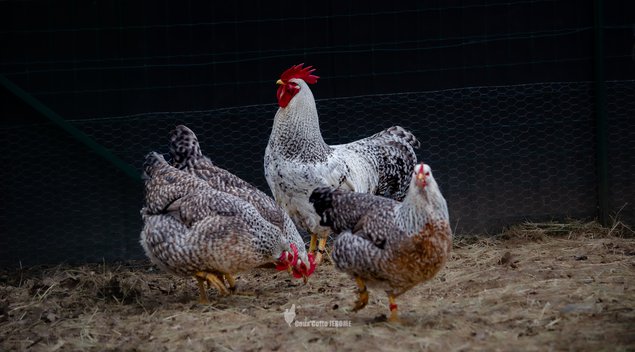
(285, 93)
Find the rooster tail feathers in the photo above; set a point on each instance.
(397, 147)
(322, 200)
(403, 134)
(184, 147)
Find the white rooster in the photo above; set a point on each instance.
(297, 160)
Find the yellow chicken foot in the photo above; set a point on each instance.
(394, 316)
(362, 301)
(202, 298)
(313, 243)
(212, 279)
(231, 282)
(321, 250)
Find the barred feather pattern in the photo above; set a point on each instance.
(186, 155)
(393, 151)
(393, 245)
(190, 227)
(297, 160)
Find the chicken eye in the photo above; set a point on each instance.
(427, 173)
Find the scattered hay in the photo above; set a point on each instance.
(536, 286)
(570, 229)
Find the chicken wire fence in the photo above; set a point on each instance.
(502, 152)
(501, 155)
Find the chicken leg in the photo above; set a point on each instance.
(321, 246)
(394, 316)
(211, 279)
(313, 243)
(202, 293)
(362, 300)
(321, 250)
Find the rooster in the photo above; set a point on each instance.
(297, 160)
(186, 155)
(191, 229)
(393, 245)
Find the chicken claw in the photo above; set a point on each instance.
(214, 280)
(202, 299)
(231, 282)
(362, 301)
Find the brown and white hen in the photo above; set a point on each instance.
(386, 243)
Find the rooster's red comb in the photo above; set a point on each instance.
(303, 73)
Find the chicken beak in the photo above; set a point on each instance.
(305, 279)
(279, 82)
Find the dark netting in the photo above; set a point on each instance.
(500, 154)
(621, 151)
(63, 203)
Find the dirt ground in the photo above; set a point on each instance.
(536, 287)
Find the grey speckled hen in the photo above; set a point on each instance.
(297, 160)
(386, 243)
(186, 155)
(191, 229)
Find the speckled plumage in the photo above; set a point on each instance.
(186, 155)
(192, 228)
(391, 244)
(297, 160)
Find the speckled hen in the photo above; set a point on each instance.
(386, 243)
(191, 229)
(186, 155)
(297, 160)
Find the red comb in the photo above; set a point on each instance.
(421, 169)
(420, 175)
(304, 270)
(303, 73)
(311, 264)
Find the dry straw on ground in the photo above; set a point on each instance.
(535, 287)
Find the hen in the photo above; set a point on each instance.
(186, 155)
(297, 160)
(390, 244)
(191, 229)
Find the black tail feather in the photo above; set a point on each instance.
(184, 146)
(322, 200)
(404, 134)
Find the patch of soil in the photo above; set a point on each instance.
(524, 290)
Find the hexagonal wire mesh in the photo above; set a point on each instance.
(500, 154)
(621, 149)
